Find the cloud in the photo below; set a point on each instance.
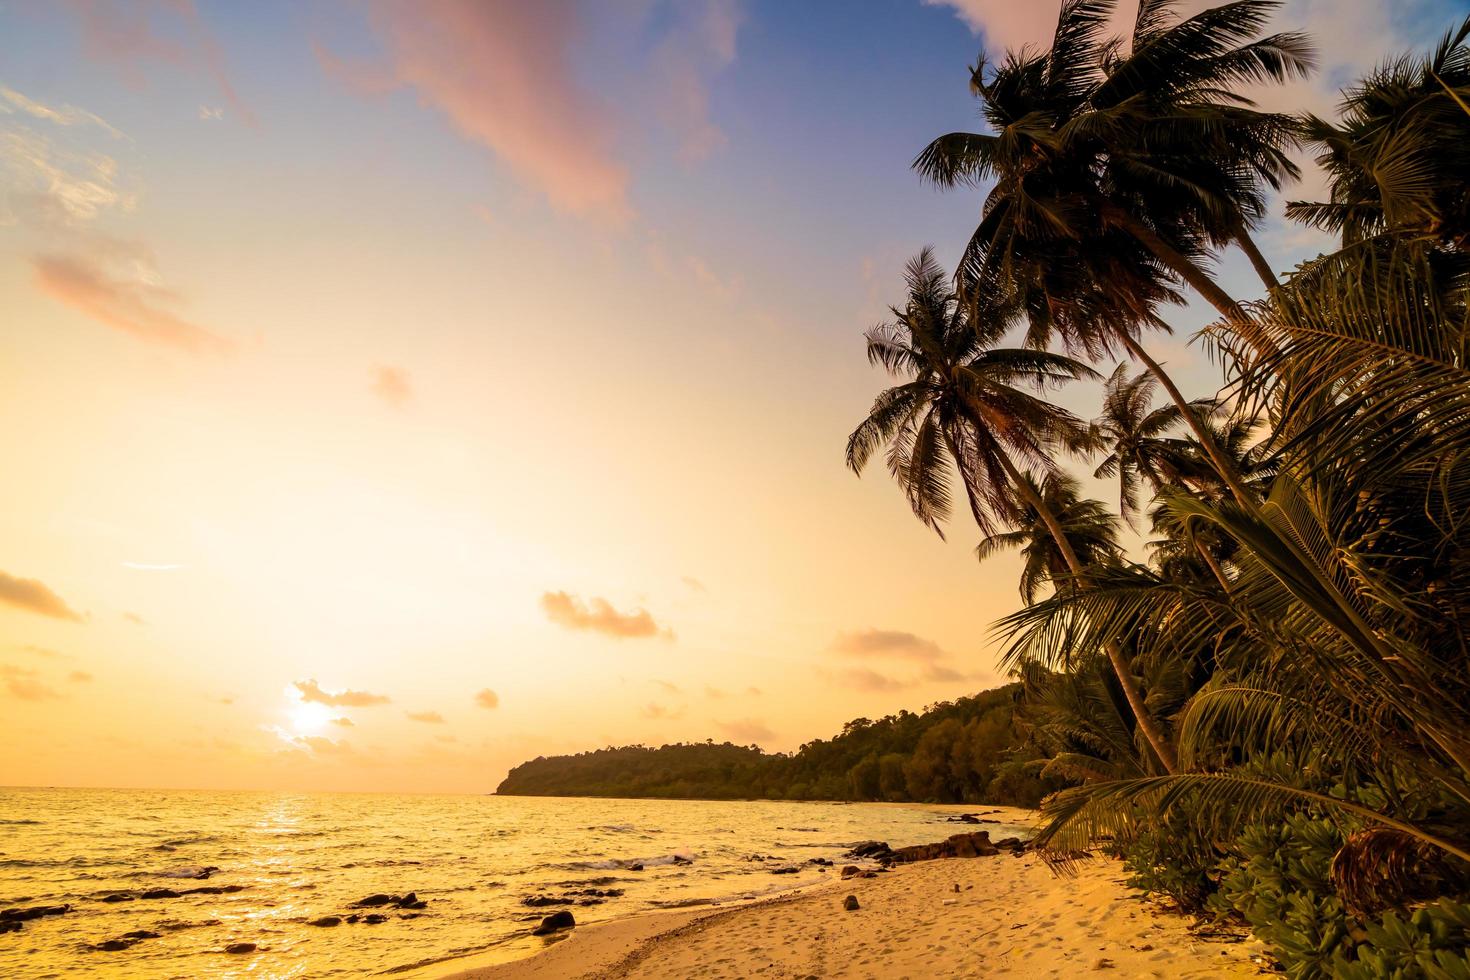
(79, 677)
(133, 305)
(126, 35)
(657, 712)
(322, 745)
(57, 185)
(667, 686)
(139, 566)
(598, 615)
(504, 76)
(134, 618)
(311, 691)
(754, 692)
(344, 722)
(487, 698)
(427, 717)
(36, 597)
(63, 115)
(863, 679)
(392, 385)
(714, 693)
(697, 47)
(210, 113)
(897, 644)
(691, 268)
(746, 730)
(24, 684)
(694, 584)
(1005, 23)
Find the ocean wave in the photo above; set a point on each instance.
(615, 828)
(197, 871)
(623, 864)
(682, 903)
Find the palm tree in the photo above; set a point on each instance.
(1403, 130)
(961, 407)
(1117, 175)
(1135, 434)
(1088, 527)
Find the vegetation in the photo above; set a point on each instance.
(1267, 712)
(966, 751)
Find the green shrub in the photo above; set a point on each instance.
(1280, 883)
(1429, 943)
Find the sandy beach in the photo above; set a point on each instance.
(1012, 917)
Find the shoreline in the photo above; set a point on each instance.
(1009, 917)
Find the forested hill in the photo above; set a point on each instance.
(964, 751)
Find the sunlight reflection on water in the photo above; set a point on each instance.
(300, 857)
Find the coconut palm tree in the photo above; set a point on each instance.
(1089, 529)
(962, 407)
(1117, 175)
(1136, 437)
(1402, 131)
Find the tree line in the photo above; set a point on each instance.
(977, 749)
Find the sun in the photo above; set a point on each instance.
(308, 717)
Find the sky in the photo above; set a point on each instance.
(391, 393)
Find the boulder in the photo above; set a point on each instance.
(326, 921)
(160, 893)
(635, 867)
(373, 901)
(555, 922)
(820, 862)
(137, 934)
(374, 918)
(788, 870)
(34, 912)
(112, 945)
(119, 897)
(850, 903)
(851, 870)
(10, 926)
(870, 849)
(241, 948)
(975, 844)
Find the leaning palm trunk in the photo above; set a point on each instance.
(1141, 713)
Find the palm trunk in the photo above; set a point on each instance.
(1179, 263)
(1146, 723)
(1258, 261)
(1214, 565)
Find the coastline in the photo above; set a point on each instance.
(1010, 917)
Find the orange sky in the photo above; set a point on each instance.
(354, 365)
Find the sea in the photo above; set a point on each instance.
(191, 874)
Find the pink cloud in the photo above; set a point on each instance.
(503, 75)
(131, 34)
(128, 303)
